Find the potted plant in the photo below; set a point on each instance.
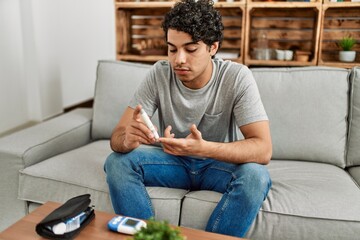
(346, 44)
(158, 230)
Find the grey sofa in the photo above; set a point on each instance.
(315, 124)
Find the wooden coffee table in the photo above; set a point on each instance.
(24, 229)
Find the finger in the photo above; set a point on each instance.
(139, 124)
(167, 132)
(132, 143)
(166, 140)
(136, 114)
(138, 138)
(140, 132)
(195, 132)
(146, 133)
(168, 148)
(173, 143)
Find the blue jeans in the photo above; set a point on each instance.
(244, 186)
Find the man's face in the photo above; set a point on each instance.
(190, 60)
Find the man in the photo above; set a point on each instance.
(201, 103)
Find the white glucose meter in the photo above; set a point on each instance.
(126, 225)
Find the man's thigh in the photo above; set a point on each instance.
(161, 169)
(219, 175)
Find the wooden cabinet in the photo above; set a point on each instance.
(308, 30)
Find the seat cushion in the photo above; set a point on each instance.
(69, 174)
(307, 201)
(81, 171)
(308, 110)
(201, 202)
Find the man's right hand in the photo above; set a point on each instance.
(130, 132)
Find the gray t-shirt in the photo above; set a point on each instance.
(229, 100)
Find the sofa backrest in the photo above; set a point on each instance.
(353, 154)
(308, 110)
(116, 82)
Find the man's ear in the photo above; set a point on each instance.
(214, 48)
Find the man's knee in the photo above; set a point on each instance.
(112, 161)
(255, 176)
(259, 173)
(124, 164)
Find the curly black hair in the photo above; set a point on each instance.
(197, 18)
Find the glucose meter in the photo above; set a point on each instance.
(126, 225)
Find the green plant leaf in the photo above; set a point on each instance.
(158, 230)
(347, 43)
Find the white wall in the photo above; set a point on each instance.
(13, 107)
(54, 46)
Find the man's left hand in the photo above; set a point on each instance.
(190, 145)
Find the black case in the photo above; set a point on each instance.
(69, 209)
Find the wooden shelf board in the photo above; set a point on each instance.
(140, 58)
(283, 1)
(229, 4)
(278, 63)
(170, 4)
(144, 4)
(284, 5)
(339, 64)
(341, 4)
(238, 60)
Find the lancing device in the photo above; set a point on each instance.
(148, 123)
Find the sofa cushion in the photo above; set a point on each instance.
(201, 202)
(353, 154)
(166, 203)
(355, 174)
(116, 82)
(310, 200)
(308, 109)
(81, 171)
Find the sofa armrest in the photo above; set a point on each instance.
(32, 145)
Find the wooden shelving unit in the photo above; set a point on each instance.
(290, 26)
(233, 15)
(312, 27)
(141, 38)
(339, 19)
